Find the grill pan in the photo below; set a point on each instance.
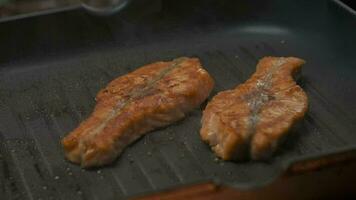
(52, 66)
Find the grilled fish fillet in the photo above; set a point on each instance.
(249, 121)
(150, 97)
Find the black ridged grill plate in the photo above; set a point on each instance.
(51, 68)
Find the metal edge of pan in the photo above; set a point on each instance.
(345, 7)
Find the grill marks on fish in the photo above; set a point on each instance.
(250, 120)
(134, 95)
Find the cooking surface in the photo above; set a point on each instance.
(51, 67)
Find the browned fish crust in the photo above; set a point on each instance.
(250, 120)
(150, 97)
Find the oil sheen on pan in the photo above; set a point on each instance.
(132, 105)
(250, 121)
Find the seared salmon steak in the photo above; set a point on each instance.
(132, 105)
(250, 121)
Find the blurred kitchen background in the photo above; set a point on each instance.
(18, 7)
